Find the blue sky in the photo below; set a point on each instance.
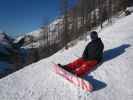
(20, 16)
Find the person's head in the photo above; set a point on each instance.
(94, 35)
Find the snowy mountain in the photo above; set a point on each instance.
(11, 56)
(112, 80)
(5, 47)
(37, 37)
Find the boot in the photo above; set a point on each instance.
(65, 67)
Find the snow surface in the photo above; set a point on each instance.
(130, 9)
(112, 80)
(38, 34)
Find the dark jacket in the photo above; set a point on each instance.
(94, 50)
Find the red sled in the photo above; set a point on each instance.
(77, 81)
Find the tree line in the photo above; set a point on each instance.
(79, 19)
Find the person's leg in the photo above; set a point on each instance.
(85, 68)
(76, 64)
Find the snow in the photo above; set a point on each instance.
(112, 80)
(54, 23)
(130, 9)
(35, 33)
(38, 33)
(4, 43)
(3, 40)
(18, 39)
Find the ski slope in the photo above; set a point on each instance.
(112, 80)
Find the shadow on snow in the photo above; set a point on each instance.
(115, 52)
(108, 55)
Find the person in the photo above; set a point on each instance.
(91, 56)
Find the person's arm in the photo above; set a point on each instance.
(85, 53)
(99, 53)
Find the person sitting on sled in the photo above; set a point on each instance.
(92, 55)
